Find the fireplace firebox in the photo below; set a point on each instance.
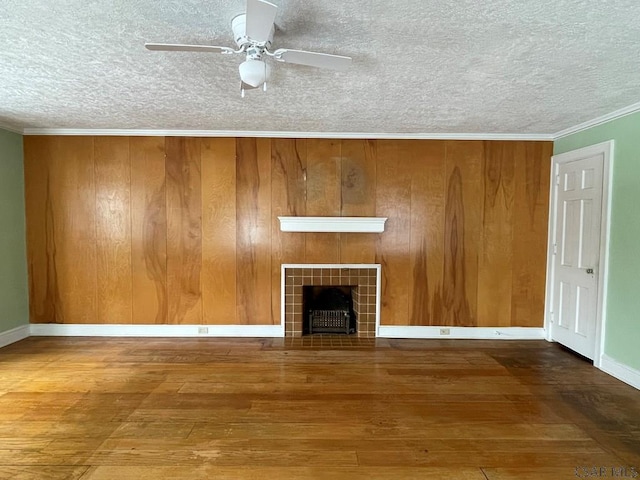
(329, 310)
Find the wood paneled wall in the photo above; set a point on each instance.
(185, 230)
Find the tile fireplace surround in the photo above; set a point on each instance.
(366, 299)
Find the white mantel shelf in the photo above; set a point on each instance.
(333, 224)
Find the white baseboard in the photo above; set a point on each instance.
(95, 330)
(14, 335)
(620, 371)
(79, 330)
(479, 333)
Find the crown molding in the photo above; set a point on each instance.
(133, 132)
(12, 129)
(623, 112)
(279, 134)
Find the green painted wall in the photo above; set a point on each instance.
(622, 334)
(14, 303)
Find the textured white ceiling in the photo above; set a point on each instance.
(439, 66)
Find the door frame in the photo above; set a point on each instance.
(606, 149)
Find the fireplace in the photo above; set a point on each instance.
(359, 281)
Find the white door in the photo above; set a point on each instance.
(576, 249)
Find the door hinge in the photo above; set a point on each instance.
(555, 248)
(557, 179)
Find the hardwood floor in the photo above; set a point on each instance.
(112, 408)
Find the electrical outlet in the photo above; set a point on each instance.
(445, 331)
(203, 330)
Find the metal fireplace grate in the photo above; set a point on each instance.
(329, 321)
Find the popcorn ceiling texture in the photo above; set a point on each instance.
(454, 66)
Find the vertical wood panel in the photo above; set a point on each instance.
(184, 230)
(44, 294)
(323, 198)
(496, 255)
(427, 162)
(73, 198)
(531, 213)
(393, 200)
(113, 229)
(465, 243)
(323, 177)
(288, 198)
(462, 232)
(358, 198)
(253, 194)
(218, 156)
(148, 230)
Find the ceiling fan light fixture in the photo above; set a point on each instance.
(253, 33)
(254, 72)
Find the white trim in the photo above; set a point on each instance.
(333, 224)
(277, 134)
(95, 330)
(137, 132)
(378, 297)
(331, 265)
(605, 237)
(623, 112)
(606, 149)
(9, 128)
(551, 229)
(619, 370)
(480, 333)
(282, 299)
(14, 335)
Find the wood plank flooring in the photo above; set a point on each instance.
(112, 408)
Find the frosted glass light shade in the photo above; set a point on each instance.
(254, 72)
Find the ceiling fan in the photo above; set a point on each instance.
(253, 34)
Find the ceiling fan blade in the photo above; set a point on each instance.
(259, 20)
(313, 59)
(171, 47)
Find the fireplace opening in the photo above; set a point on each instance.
(328, 310)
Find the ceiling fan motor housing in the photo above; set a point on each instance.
(239, 25)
